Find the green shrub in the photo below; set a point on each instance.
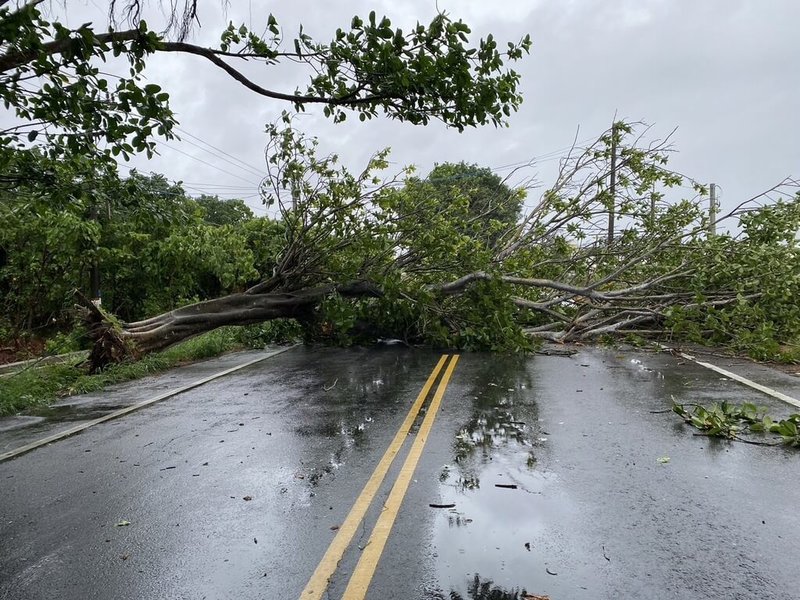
(63, 343)
(279, 331)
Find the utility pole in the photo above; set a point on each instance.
(712, 210)
(613, 184)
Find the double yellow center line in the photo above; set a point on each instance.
(365, 569)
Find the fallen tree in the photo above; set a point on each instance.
(114, 342)
(425, 276)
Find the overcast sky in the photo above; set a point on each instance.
(724, 72)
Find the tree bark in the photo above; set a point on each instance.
(113, 342)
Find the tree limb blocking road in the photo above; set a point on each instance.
(547, 474)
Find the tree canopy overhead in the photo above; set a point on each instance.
(51, 80)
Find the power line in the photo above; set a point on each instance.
(246, 169)
(236, 194)
(547, 156)
(218, 185)
(258, 170)
(239, 163)
(213, 166)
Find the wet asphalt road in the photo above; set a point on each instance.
(235, 489)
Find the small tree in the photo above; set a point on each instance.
(224, 212)
(492, 207)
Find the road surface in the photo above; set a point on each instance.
(547, 474)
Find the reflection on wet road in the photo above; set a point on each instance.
(541, 477)
(502, 498)
(558, 489)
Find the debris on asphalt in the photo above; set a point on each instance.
(508, 486)
(442, 505)
(122, 523)
(662, 459)
(549, 572)
(247, 498)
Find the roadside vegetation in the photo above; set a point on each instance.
(457, 257)
(38, 386)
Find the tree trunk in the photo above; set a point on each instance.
(114, 342)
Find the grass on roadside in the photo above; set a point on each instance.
(39, 387)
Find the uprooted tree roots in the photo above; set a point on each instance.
(108, 343)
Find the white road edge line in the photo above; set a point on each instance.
(756, 386)
(129, 409)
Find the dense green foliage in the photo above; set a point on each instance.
(63, 106)
(155, 247)
(429, 72)
(492, 207)
(761, 268)
(232, 212)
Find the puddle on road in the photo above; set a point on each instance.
(506, 502)
(342, 413)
